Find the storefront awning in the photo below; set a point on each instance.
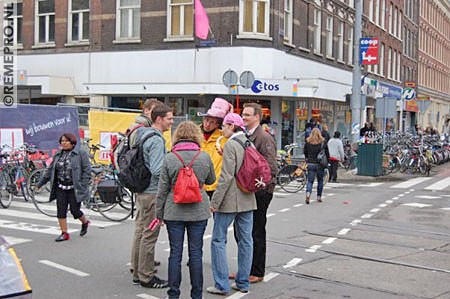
(51, 85)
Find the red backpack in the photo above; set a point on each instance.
(187, 188)
(254, 174)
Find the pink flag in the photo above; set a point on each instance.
(201, 21)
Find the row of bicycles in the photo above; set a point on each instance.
(20, 173)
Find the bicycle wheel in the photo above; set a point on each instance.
(114, 207)
(5, 196)
(41, 198)
(291, 178)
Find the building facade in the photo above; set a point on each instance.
(434, 63)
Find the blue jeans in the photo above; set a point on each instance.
(195, 231)
(244, 225)
(315, 170)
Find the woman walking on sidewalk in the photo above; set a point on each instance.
(314, 144)
(336, 150)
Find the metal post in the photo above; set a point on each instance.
(355, 104)
(400, 125)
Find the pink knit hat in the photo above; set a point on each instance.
(234, 119)
(219, 108)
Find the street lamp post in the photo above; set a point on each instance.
(355, 103)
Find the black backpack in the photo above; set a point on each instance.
(133, 174)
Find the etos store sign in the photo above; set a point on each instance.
(271, 88)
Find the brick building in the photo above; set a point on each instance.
(434, 63)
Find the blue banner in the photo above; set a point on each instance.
(390, 91)
(39, 125)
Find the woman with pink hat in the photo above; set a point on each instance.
(212, 121)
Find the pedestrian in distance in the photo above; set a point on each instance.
(336, 150)
(69, 175)
(143, 247)
(325, 133)
(265, 145)
(314, 145)
(229, 203)
(212, 136)
(179, 218)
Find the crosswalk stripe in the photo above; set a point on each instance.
(440, 185)
(30, 227)
(427, 196)
(41, 217)
(416, 205)
(14, 241)
(411, 182)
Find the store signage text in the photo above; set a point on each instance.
(259, 86)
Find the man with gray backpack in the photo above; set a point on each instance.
(153, 152)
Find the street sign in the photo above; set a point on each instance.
(386, 107)
(368, 53)
(409, 93)
(246, 79)
(423, 103)
(229, 78)
(411, 84)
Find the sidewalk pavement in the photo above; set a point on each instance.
(350, 176)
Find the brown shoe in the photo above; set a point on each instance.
(255, 279)
(319, 199)
(308, 195)
(232, 276)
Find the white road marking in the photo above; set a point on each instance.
(401, 195)
(14, 241)
(427, 196)
(355, 222)
(410, 183)
(329, 240)
(147, 296)
(30, 227)
(313, 248)
(445, 209)
(292, 263)
(395, 198)
(371, 185)
(446, 195)
(374, 210)
(416, 205)
(237, 295)
(407, 192)
(284, 210)
(205, 237)
(344, 231)
(64, 268)
(42, 217)
(230, 228)
(298, 205)
(383, 205)
(280, 194)
(388, 201)
(440, 185)
(330, 194)
(411, 190)
(365, 216)
(270, 215)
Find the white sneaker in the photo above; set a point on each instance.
(214, 290)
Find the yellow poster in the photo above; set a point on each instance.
(104, 127)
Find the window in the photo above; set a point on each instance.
(78, 20)
(389, 63)
(391, 8)
(381, 61)
(17, 23)
(350, 45)
(128, 19)
(377, 12)
(45, 22)
(288, 21)
(340, 35)
(180, 22)
(317, 30)
(254, 17)
(383, 12)
(394, 66)
(370, 10)
(394, 25)
(399, 24)
(329, 35)
(399, 65)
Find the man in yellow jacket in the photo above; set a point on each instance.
(213, 138)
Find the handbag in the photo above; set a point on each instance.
(322, 157)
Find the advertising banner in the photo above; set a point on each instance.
(104, 127)
(39, 125)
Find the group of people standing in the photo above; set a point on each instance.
(216, 161)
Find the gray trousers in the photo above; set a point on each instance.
(143, 251)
